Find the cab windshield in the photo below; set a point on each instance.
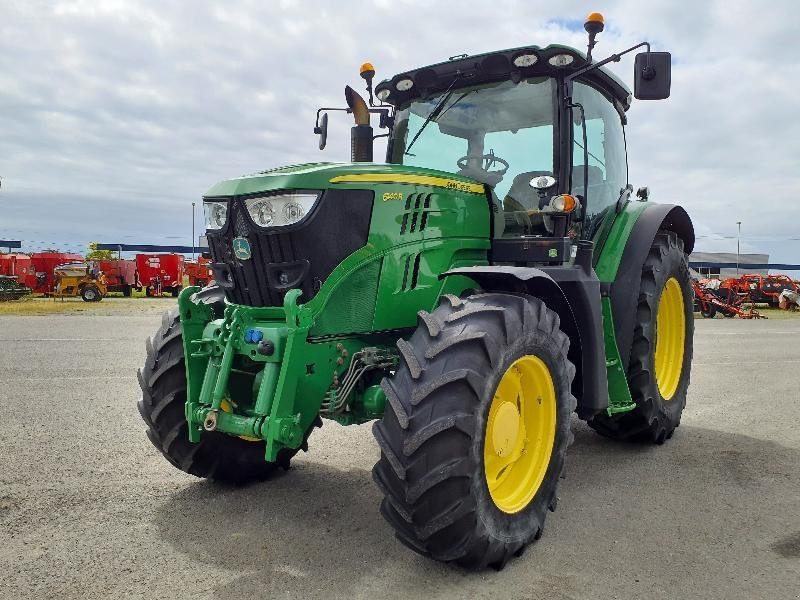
(500, 134)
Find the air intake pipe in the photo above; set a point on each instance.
(361, 134)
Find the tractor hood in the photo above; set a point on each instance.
(319, 176)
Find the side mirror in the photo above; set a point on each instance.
(652, 75)
(322, 131)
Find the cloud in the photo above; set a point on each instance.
(115, 116)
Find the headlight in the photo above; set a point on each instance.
(281, 209)
(262, 212)
(216, 214)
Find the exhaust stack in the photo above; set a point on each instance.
(361, 133)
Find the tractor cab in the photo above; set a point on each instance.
(506, 135)
(541, 128)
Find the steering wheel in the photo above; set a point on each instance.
(487, 162)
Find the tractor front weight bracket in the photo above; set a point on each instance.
(211, 346)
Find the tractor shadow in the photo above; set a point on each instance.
(315, 532)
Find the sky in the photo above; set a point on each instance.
(116, 115)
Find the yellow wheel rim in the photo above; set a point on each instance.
(520, 432)
(670, 338)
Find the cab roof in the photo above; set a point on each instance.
(497, 66)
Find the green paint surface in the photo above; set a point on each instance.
(619, 394)
(613, 237)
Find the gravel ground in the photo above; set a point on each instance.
(89, 509)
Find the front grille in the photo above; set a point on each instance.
(299, 256)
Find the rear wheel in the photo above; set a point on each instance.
(217, 456)
(661, 354)
(476, 429)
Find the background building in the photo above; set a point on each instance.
(729, 258)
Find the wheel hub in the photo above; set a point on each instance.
(520, 434)
(670, 339)
(506, 429)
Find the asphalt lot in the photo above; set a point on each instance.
(89, 509)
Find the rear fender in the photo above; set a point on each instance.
(621, 276)
(574, 295)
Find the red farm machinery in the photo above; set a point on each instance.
(711, 298)
(44, 264)
(160, 273)
(19, 266)
(199, 273)
(760, 289)
(16, 275)
(121, 275)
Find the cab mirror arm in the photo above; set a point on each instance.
(652, 75)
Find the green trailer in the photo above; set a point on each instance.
(494, 276)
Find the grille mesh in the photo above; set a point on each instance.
(351, 308)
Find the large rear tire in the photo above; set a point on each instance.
(217, 456)
(476, 429)
(661, 354)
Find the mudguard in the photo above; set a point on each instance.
(622, 287)
(573, 293)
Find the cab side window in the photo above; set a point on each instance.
(606, 168)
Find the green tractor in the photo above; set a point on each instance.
(496, 275)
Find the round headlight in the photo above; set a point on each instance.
(383, 94)
(263, 213)
(293, 212)
(216, 214)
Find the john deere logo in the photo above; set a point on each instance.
(241, 248)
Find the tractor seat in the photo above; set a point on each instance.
(595, 178)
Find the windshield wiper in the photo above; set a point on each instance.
(434, 113)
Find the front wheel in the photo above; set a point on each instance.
(476, 429)
(216, 456)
